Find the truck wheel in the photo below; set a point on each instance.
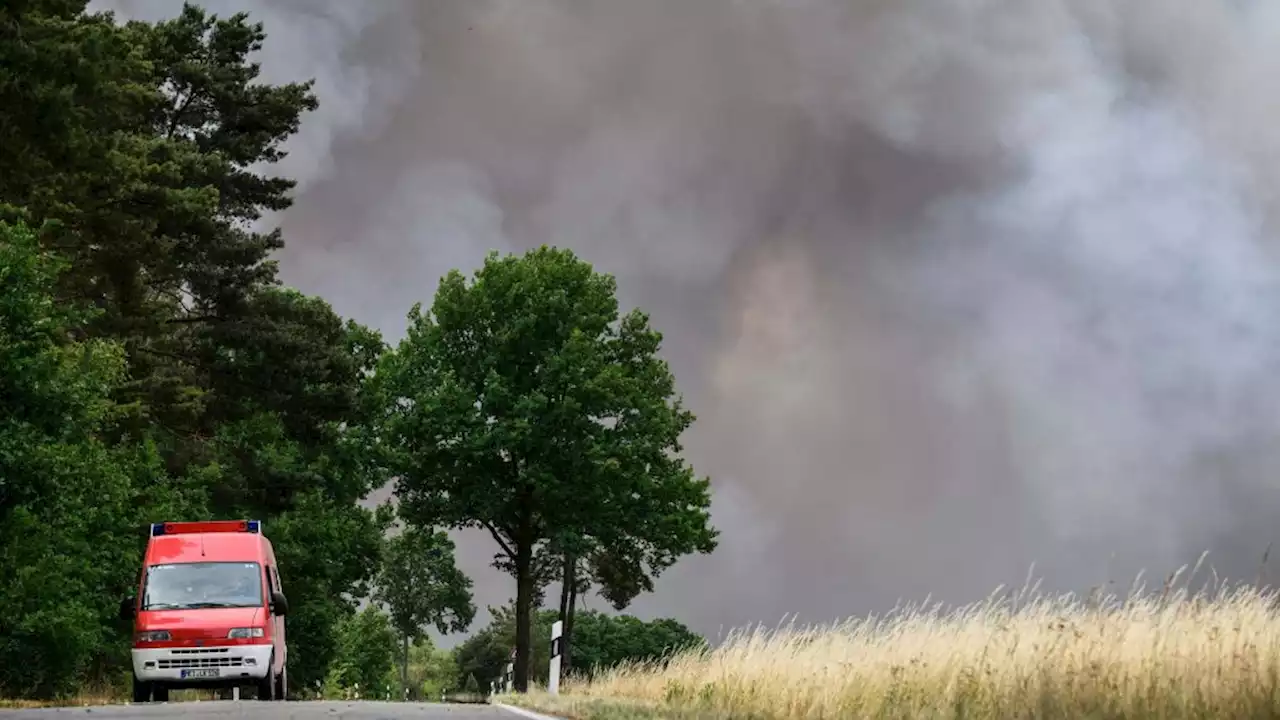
(267, 687)
(282, 684)
(141, 691)
(159, 693)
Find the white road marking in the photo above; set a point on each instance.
(527, 713)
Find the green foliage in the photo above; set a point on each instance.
(422, 587)
(67, 498)
(431, 670)
(483, 655)
(365, 653)
(322, 546)
(151, 367)
(524, 404)
(603, 641)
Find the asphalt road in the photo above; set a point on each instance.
(227, 709)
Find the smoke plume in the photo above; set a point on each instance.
(954, 287)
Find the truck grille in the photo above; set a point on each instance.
(214, 657)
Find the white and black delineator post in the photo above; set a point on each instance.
(509, 681)
(553, 678)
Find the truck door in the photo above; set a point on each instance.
(277, 622)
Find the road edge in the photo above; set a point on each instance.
(526, 713)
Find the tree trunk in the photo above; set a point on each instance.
(524, 610)
(404, 666)
(565, 586)
(568, 593)
(567, 631)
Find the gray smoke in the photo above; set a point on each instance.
(954, 286)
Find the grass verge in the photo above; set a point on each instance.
(108, 696)
(1173, 654)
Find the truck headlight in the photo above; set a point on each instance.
(153, 636)
(244, 633)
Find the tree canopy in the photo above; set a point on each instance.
(432, 671)
(421, 587)
(365, 655)
(525, 404)
(68, 514)
(605, 641)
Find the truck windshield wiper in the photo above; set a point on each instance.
(190, 606)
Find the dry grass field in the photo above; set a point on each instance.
(1163, 654)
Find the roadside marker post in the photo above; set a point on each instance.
(508, 681)
(553, 677)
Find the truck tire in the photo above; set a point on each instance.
(160, 693)
(282, 684)
(141, 690)
(267, 686)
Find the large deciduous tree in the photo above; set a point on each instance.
(422, 587)
(524, 404)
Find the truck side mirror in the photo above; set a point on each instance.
(128, 607)
(279, 605)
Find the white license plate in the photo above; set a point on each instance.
(200, 673)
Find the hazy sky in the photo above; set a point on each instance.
(954, 286)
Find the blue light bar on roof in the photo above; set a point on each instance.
(157, 529)
(255, 526)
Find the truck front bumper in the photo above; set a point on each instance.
(198, 666)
